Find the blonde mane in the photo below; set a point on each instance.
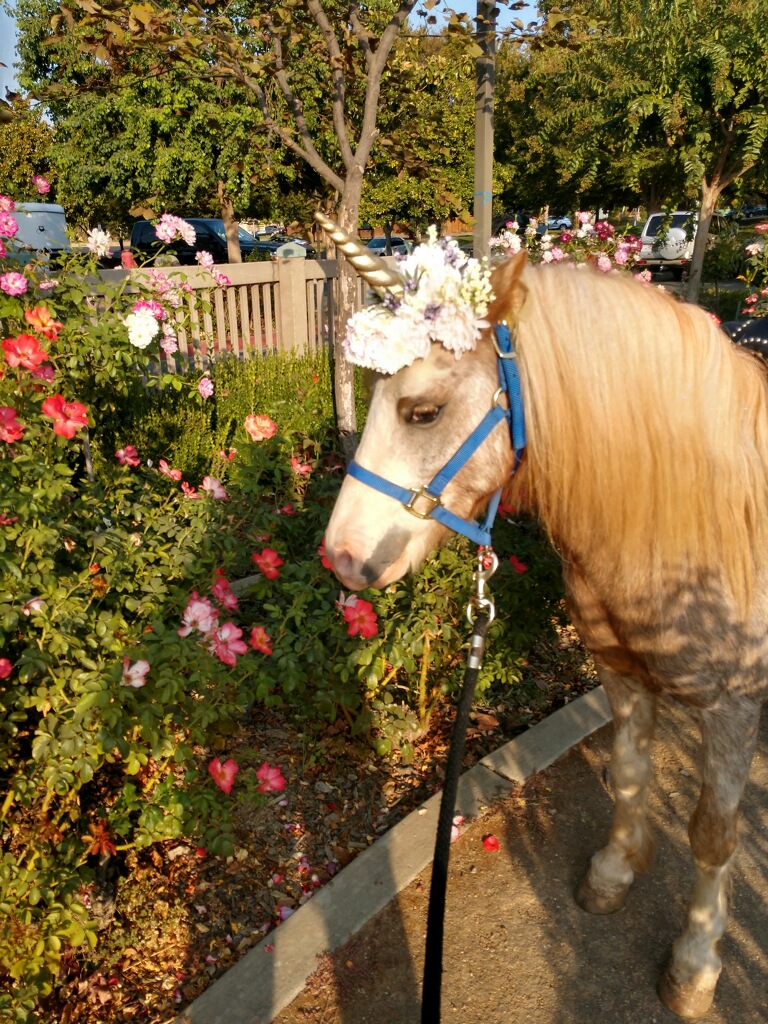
(647, 430)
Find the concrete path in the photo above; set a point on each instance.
(517, 948)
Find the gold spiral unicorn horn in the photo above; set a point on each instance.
(382, 278)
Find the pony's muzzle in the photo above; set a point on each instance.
(357, 568)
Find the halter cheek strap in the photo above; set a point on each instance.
(424, 502)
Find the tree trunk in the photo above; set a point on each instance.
(709, 197)
(230, 225)
(343, 371)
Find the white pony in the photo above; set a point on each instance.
(647, 462)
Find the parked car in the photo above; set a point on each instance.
(42, 229)
(282, 239)
(753, 213)
(210, 236)
(558, 223)
(672, 249)
(500, 222)
(400, 246)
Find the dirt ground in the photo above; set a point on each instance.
(519, 951)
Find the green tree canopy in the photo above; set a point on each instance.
(422, 164)
(682, 87)
(26, 148)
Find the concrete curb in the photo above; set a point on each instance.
(260, 985)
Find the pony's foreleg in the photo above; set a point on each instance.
(728, 734)
(630, 847)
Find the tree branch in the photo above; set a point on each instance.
(360, 32)
(306, 151)
(337, 77)
(375, 70)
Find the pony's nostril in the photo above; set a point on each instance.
(348, 568)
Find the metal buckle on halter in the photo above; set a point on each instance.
(504, 355)
(431, 499)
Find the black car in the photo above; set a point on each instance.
(278, 240)
(753, 213)
(210, 236)
(500, 222)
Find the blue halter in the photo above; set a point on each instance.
(424, 502)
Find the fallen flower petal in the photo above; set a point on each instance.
(458, 821)
(271, 779)
(490, 842)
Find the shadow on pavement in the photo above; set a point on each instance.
(519, 951)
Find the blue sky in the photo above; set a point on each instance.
(8, 34)
(7, 50)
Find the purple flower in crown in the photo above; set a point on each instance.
(444, 299)
(453, 254)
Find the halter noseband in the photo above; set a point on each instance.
(424, 502)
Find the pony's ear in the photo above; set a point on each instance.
(510, 294)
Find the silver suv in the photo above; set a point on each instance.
(668, 240)
(671, 248)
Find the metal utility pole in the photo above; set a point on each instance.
(484, 85)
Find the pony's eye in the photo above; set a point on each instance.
(423, 414)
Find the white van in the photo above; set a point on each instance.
(42, 228)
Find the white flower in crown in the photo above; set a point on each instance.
(445, 299)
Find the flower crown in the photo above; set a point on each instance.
(444, 298)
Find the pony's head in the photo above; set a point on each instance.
(419, 415)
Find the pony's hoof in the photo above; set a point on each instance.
(687, 1000)
(594, 902)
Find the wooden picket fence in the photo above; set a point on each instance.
(284, 305)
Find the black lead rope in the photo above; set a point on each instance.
(433, 959)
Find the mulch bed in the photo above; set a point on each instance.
(176, 918)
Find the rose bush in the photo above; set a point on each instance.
(130, 504)
(756, 275)
(112, 686)
(589, 241)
